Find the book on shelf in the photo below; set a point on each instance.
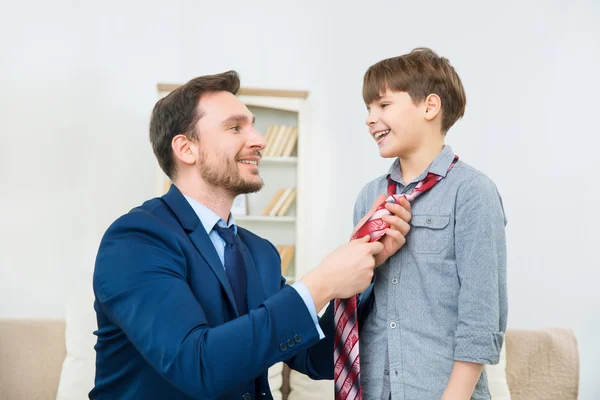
(285, 206)
(280, 140)
(272, 202)
(280, 203)
(268, 138)
(290, 144)
(286, 252)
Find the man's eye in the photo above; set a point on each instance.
(235, 128)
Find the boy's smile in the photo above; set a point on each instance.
(380, 134)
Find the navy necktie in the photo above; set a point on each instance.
(235, 268)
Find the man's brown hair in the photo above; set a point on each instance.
(177, 113)
(419, 73)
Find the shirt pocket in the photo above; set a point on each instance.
(429, 234)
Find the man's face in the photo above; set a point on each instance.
(395, 123)
(228, 145)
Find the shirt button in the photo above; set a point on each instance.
(247, 396)
(297, 338)
(283, 347)
(386, 372)
(393, 325)
(291, 343)
(429, 220)
(395, 281)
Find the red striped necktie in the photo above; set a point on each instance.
(346, 358)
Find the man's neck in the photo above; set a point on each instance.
(414, 164)
(216, 199)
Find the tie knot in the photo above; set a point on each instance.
(227, 234)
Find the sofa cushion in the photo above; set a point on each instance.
(31, 353)
(78, 369)
(496, 375)
(542, 364)
(304, 388)
(276, 380)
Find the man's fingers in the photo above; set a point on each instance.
(364, 239)
(376, 247)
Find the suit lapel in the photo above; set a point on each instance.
(206, 248)
(198, 236)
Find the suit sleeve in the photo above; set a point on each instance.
(317, 361)
(139, 282)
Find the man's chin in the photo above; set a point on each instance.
(250, 186)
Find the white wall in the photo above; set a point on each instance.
(77, 87)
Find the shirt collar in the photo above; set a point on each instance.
(208, 218)
(439, 166)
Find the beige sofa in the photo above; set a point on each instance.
(540, 364)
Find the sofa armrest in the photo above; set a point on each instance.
(542, 364)
(31, 356)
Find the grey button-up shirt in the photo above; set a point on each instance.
(441, 297)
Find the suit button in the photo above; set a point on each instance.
(297, 338)
(291, 343)
(247, 396)
(283, 347)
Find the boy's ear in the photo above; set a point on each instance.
(433, 106)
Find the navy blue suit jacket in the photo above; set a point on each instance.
(168, 327)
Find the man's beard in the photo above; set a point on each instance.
(224, 173)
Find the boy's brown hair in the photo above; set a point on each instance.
(419, 73)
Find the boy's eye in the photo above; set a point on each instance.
(384, 105)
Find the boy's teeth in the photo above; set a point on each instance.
(380, 134)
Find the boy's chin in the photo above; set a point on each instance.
(389, 152)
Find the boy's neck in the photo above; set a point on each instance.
(417, 162)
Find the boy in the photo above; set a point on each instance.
(437, 309)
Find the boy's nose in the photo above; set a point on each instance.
(371, 120)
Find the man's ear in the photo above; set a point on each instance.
(184, 149)
(432, 106)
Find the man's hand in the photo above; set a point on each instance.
(346, 271)
(395, 235)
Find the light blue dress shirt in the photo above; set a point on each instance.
(209, 219)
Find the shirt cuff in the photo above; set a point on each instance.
(310, 305)
(478, 347)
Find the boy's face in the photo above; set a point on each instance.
(396, 124)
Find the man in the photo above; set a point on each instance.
(188, 304)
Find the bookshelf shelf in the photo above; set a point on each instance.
(280, 117)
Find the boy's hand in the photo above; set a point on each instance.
(394, 237)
